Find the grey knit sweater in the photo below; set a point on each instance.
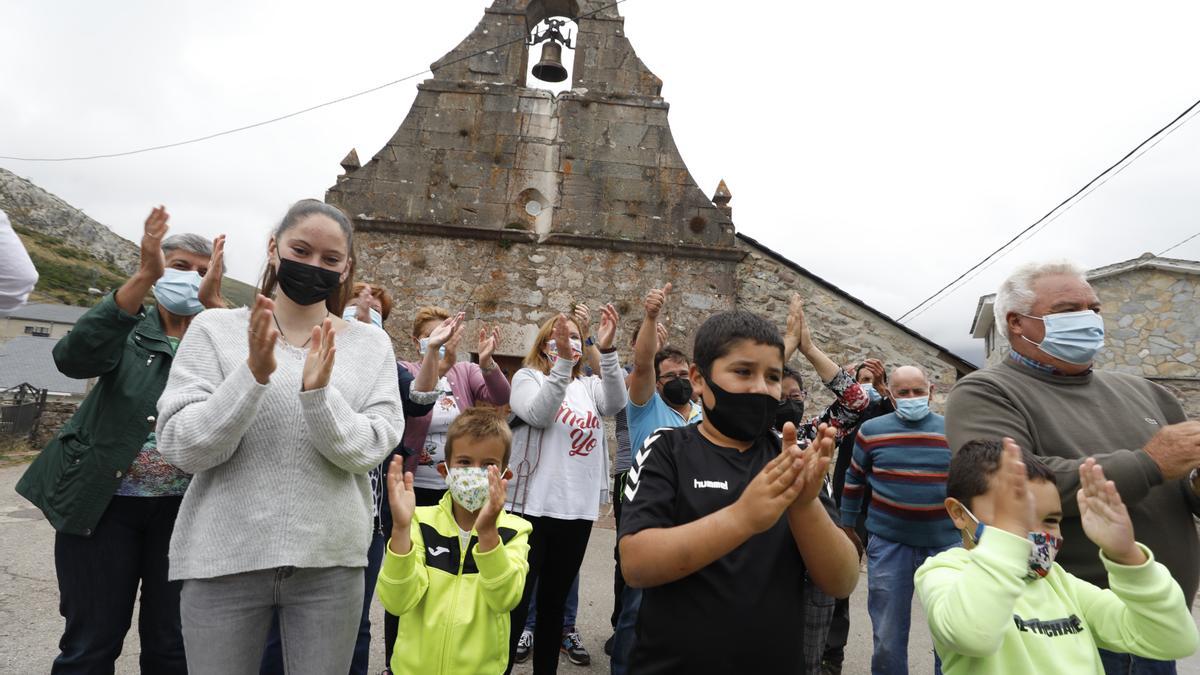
(280, 474)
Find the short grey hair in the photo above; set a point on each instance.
(1016, 293)
(191, 243)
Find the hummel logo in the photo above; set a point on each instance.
(1151, 420)
(722, 484)
(435, 552)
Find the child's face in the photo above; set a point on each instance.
(749, 368)
(1046, 504)
(472, 451)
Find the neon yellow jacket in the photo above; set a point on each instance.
(454, 603)
(986, 618)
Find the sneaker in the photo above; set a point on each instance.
(572, 646)
(524, 647)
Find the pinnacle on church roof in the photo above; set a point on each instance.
(351, 162)
(722, 195)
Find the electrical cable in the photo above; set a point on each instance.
(1102, 176)
(1179, 244)
(290, 115)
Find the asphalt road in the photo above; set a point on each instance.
(30, 624)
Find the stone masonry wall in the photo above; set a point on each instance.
(1151, 323)
(847, 332)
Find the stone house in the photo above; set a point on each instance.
(1151, 310)
(39, 319)
(511, 203)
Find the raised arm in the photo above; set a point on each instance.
(798, 337)
(612, 395)
(642, 380)
(536, 398)
(583, 320)
(830, 558)
(403, 579)
(425, 383)
(353, 440)
(487, 381)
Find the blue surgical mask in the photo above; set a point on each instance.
(912, 409)
(1074, 337)
(424, 347)
(870, 389)
(351, 314)
(179, 292)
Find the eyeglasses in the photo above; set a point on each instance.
(667, 377)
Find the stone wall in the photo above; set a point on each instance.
(54, 416)
(1151, 323)
(847, 331)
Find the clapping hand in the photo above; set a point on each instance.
(488, 341)
(153, 263)
(583, 320)
(402, 499)
(608, 327)
(445, 331)
(210, 285)
(817, 457)
(798, 336)
(1104, 516)
(318, 366)
(262, 336)
(774, 489)
(485, 521)
(1015, 511)
(562, 339)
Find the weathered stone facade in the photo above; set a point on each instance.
(1151, 310)
(513, 204)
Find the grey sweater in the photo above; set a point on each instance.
(280, 474)
(1064, 420)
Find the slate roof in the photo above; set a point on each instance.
(42, 311)
(29, 359)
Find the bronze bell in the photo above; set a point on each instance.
(550, 68)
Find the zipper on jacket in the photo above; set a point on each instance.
(453, 603)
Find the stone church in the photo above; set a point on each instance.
(500, 198)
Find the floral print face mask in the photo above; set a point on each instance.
(468, 486)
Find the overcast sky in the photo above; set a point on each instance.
(885, 146)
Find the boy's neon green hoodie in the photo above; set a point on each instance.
(986, 618)
(454, 602)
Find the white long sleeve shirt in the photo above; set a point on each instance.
(17, 273)
(559, 459)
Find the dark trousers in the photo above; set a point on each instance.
(391, 622)
(98, 579)
(1116, 663)
(556, 550)
(618, 579)
(272, 660)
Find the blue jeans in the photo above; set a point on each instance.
(626, 631)
(570, 609)
(272, 660)
(890, 570)
(1127, 664)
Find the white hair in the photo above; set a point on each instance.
(192, 243)
(1016, 292)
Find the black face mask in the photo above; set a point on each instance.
(742, 417)
(789, 410)
(678, 391)
(306, 284)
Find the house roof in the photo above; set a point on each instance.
(44, 311)
(29, 359)
(944, 354)
(981, 324)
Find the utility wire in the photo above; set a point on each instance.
(1179, 244)
(290, 115)
(1056, 216)
(1102, 176)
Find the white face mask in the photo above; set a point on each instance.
(351, 314)
(468, 486)
(423, 348)
(552, 350)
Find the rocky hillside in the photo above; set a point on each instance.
(73, 252)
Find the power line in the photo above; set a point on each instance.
(1179, 244)
(1051, 212)
(290, 115)
(1057, 215)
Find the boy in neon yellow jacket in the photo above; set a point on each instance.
(455, 570)
(1001, 605)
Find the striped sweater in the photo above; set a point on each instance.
(905, 463)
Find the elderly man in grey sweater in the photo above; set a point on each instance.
(1047, 397)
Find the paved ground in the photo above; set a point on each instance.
(30, 624)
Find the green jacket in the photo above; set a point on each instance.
(455, 603)
(75, 476)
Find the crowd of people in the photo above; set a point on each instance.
(262, 474)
